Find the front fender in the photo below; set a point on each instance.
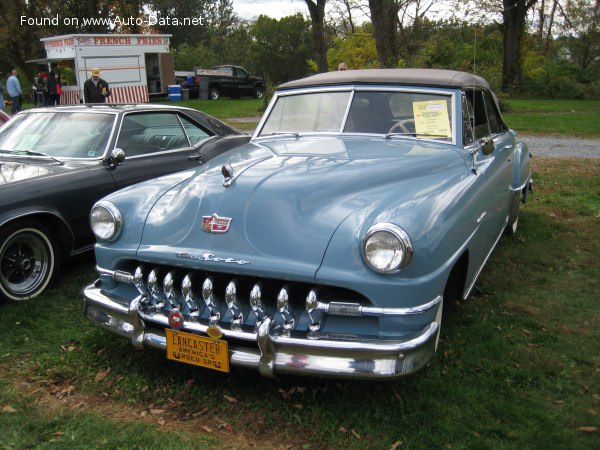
(134, 204)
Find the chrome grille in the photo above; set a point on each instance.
(234, 302)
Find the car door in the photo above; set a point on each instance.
(487, 142)
(157, 143)
(491, 151)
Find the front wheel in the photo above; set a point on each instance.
(29, 260)
(258, 92)
(214, 93)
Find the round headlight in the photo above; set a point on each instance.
(387, 248)
(106, 221)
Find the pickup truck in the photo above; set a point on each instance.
(231, 81)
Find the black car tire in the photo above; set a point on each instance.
(29, 259)
(258, 92)
(214, 93)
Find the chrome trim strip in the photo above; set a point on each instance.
(373, 311)
(523, 186)
(343, 308)
(472, 285)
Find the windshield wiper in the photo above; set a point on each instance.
(32, 153)
(417, 135)
(280, 133)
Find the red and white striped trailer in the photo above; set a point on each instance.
(136, 66)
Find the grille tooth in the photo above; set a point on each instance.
(210, 302)
(154, 289)
(312, 302)
(189, 297)
(172, 294)
(283, 307)
(237, 317)
(257, 305)
(138, 281)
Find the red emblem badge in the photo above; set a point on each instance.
(176, 319)
(215, 224)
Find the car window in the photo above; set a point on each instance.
(194, 132)
(496, 125)
(307, 113)
(151, 132)
(61, 134)
(467, 122)
(478, 116)
(417, 114)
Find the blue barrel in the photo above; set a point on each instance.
(174, 92)
(190, 79)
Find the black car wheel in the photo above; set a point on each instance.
(258, 92)
(29, 260)
(214, 93)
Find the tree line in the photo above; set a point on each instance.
(548, 48)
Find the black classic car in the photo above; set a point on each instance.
(56, 162)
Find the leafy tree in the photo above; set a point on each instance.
(356, 49)
(280, 48)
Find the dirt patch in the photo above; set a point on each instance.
(58, 397)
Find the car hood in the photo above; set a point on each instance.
(15, 171)
(287, 198)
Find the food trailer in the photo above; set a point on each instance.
(136, 66)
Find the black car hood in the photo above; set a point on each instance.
(16, 171)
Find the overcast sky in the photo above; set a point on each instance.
(248, 9)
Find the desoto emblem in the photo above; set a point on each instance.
(215, 224)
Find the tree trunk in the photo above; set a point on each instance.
(317, 17)
(384, 16)
(513, 14)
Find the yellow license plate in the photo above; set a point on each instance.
(197, 350)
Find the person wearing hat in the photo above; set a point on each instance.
(95, 90)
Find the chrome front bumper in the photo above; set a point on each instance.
(337, 356)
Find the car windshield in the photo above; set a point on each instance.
(58, 134)
(417, 114)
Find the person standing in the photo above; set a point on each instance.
(52, 84)
(95, 90)
(13, 88)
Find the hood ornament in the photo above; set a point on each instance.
(215, 224)
(228, 174)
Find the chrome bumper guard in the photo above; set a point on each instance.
(327, 355)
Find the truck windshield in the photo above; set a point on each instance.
(58, 134)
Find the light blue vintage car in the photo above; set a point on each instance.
(328, 244)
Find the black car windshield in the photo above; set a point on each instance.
(58, 134)
(417, 114)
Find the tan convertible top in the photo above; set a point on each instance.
(413, 77)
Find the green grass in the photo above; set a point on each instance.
(554, 106)
(518, 364)
(579, 118)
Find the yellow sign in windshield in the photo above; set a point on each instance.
(431, 119)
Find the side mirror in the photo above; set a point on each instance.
(117, 156)
(487, 145)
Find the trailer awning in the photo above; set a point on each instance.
(48, 60)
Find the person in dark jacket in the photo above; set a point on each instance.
(52, 86)
(95, 90)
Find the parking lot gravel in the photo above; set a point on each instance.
(567, 147)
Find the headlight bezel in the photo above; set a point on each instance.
(402, 238)
(116, 217)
